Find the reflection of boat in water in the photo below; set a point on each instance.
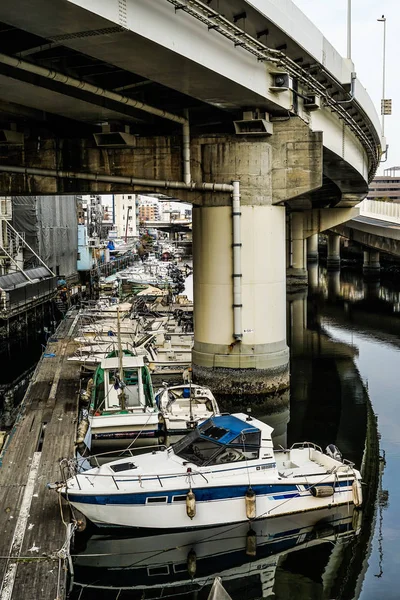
(188, 561)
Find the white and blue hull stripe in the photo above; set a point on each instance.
(203, 494)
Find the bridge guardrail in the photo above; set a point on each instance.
(380, 209)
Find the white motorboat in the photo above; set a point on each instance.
(225, 471)
(107, 308)
(184, 406)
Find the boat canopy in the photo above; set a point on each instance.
(129, 362)
(226, 429)
(220, 439)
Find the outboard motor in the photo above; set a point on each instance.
(334, 452)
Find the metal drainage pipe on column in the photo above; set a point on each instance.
(187, 178)
(237, 262)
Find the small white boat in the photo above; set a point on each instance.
(184, 406)
(107, 308)
(225, 471)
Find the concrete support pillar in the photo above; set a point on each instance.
(297, 272)
(312, 248)
(271, 171)
(259, 362)
(333, 258)
(371, 265)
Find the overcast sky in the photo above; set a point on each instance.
(367, 42)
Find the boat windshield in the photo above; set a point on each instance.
(204, 452)
(195, 449)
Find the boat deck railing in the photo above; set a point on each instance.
(300, 446)
(304, 445)
(73, 467)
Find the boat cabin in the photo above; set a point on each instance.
(136, 386)
(225, 439)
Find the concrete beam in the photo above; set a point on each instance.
(297, 162)
(390, 245)
(322, 219)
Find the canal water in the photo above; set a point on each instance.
(345, 341)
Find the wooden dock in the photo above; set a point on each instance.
(33, 537)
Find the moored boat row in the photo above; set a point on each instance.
(155, 454)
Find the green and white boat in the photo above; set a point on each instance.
(122, 408)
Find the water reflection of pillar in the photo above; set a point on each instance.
(372, 288)
(297, 304)
(301, 366)
(279, 421)
(333, 258)
(313, 276)
(333, 278)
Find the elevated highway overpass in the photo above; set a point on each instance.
(242, 108)
(377, 227)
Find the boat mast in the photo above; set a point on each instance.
(121, 367)
(190, 400)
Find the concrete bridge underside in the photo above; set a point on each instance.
(372, 233)
(150, 72)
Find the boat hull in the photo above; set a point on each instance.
(213, 505)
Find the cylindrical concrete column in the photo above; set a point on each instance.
(333, 258)
(259, 363)
(371, 263)
(297, 273)
(312, 248)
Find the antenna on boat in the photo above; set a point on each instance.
(120, 361)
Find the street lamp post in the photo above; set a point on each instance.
(383, 20)
(348, 28)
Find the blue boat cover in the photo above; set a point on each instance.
(225, 428)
